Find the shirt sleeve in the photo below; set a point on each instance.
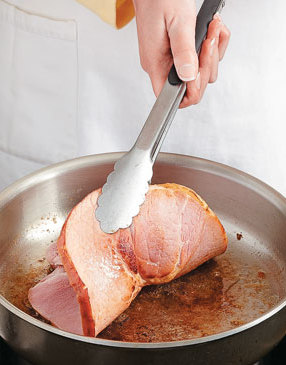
(115, 12)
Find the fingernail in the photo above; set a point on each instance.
(217, 16)
(198, 81)
(187, 72)
(212, 46)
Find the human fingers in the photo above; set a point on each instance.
(212, 51)
(154, 46)
(181, 30)
(223, 40)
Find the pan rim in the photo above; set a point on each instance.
(204, 165)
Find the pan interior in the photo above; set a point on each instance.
(228, 291)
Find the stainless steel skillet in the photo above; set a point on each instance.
(33, 209)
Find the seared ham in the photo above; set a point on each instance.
(174, 233)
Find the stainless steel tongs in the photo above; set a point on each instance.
(127, 185)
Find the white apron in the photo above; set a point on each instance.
(72, 85)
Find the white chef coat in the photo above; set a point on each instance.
(71, 85)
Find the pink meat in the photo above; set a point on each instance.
(174, 233)
(52, 255)
(55, 300)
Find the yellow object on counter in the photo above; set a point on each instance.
(115, 12)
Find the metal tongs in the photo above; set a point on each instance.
(127, 185)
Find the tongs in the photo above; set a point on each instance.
(125, 189)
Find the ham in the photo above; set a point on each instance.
(174, 233)
(53, 256)
(55, 300)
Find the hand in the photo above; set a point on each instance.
(166, 35)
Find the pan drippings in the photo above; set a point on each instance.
(221, 294)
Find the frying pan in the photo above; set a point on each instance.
(33, 210)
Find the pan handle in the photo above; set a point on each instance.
(204, 17)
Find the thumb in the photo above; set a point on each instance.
(182, 41)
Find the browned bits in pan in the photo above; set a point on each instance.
(220, 295)
(261, 274)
